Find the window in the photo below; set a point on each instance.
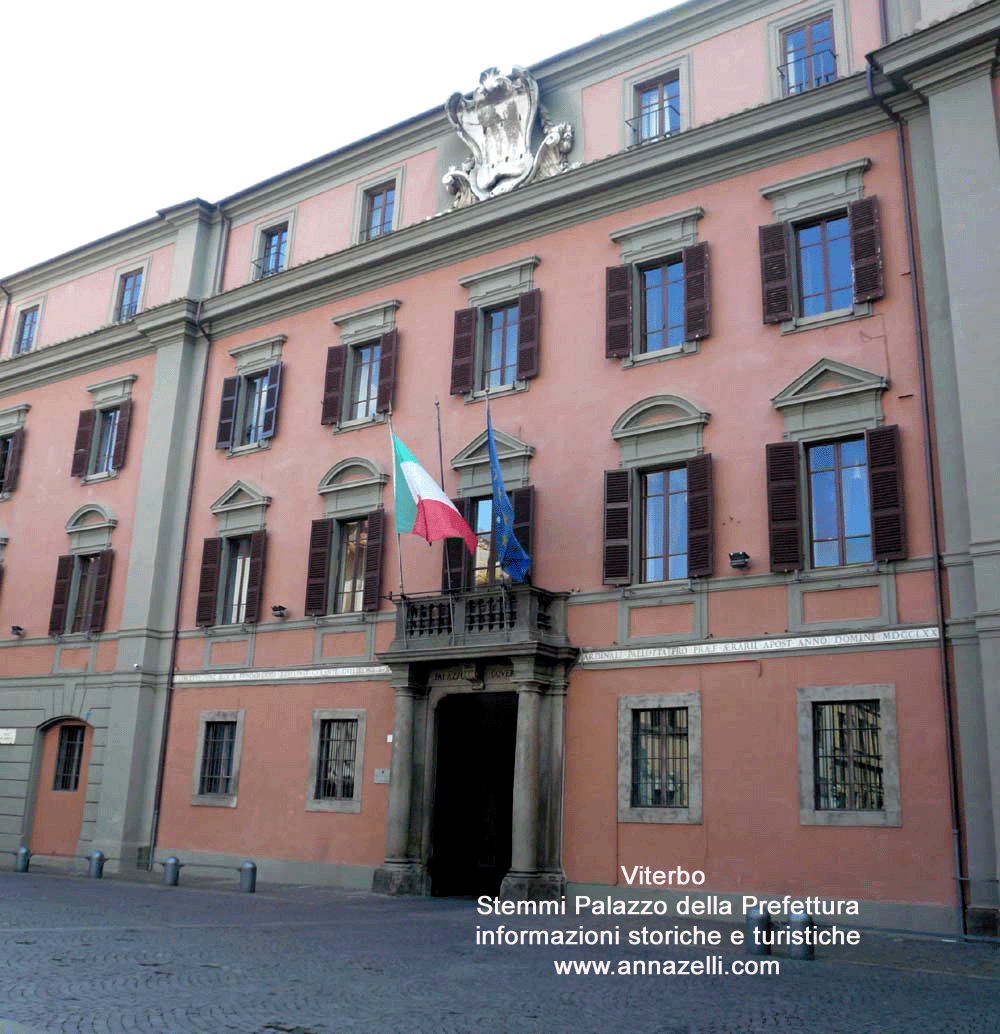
(248, 411)
(486, 568)
(823, 251)
(338, 746)
(809, 58)
(231, 581)
(462, 571)
(80, 599)
(217, 759)
(26, 326)
(364, 381)
(856, 504)
(658, 105)
(664, 524)
(69, 757)
(101, 439)
(379, 205)
(659, 758)
(847, 753)
(345, 565)
(11, 450)
(671, 310)
(495, 347)
(840, 513)
(273, 251)
(336, 760)
(129, 287)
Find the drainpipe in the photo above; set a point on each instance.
(222, 253)
(932, 497)
(6, 309)
(168, 704)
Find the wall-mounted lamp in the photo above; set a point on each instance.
(17, 630)
(280, 611)
(739, 560)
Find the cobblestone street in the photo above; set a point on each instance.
(115, 956)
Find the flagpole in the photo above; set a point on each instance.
(399, 544)
(503, 587)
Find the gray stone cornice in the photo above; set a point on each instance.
(974, 63)
(730, 147)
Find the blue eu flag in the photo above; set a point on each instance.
(511, 557)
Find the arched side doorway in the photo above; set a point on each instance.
(61, 787)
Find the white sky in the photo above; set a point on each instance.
(115, 110)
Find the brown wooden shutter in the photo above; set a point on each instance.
(618, 312)
(94, 621)
(888, 504)
(455, 565)
(523, 502)
(701, 516)
(318, 572)
(208, 583)
(697, 298)
(14, 454)
(866, 250)
(529, 307)
(776, 272)
(374, 549)
(617, 527)
(60, 597)
(84, 439)
(255, 576)
(269, 424)
(227, 414)
(784, 506)
(121, 435)
(333, 384)
(389, 346)
(463, 351)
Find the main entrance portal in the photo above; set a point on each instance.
(473, 793)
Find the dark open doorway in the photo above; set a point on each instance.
(474, 790)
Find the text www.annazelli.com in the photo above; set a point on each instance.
(710, 966)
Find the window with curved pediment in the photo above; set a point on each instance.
(83, 576)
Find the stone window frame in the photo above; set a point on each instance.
(12, 419)
(778, 26)
(257, 235)
(680, 66)
(492, 289)
(217, 800)
(693, 813)
(891, 813)
(106, 395)
(344, 805)
(645, 244)
(360, 327)
(239, 512)
(394, 176)
(138, 265)
(804, 199)
(19, 310)
(252, 359)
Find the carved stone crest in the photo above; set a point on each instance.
(496, 122)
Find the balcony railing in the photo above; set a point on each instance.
(497, 615)
(652, 125)
(808, 72)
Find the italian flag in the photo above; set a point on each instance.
(421, 507)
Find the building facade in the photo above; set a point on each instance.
(733, 334)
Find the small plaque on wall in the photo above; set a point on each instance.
(9, 736)
(382, 775)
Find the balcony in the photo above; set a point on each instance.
(507, 619)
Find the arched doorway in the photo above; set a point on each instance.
(61, 787)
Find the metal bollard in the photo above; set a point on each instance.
(801, 922)
(23, 859)
(759, 921)
(248, 877)
(96, 870)
(171, 871)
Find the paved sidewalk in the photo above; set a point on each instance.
(117, 955)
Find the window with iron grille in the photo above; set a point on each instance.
(129, 288)
(809, 58)
(273, 251)
(379, 205)
(847, 756)
(69, 758)
(660, 758)
(335, 766)
(26, 326)
(658, 109)
(217, 759)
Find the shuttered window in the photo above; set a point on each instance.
(345, 565)
(101, 440)
(248, 408)
(11, 450)
(493, 348)
(80, 597)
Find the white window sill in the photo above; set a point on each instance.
(358, 424)
(348, 806)
(508, 389)
(661, 354)
(355, 617)
(242, 450)
(222, 800)
(93, 479)
(826, 319)
(844, 817)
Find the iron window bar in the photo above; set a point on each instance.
(217, 759)
(658, 115)
(67, 775)
(802, 82)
